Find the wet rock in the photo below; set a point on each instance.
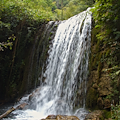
(107, 104)
(91, 99)
(80, 95)
(31, 96)
(51, 117)
(95, 115)
(22, 106)
(95, 86)
(100, 103)
(61, 117)
(34, 93)
(104, 92)
(105, 85)
(109, 119)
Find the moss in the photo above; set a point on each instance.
(91, 99)
(106, 114)
(101, 118)
(49, 38)
(107, 53)
(99, 69)
(95, 49)
(51, 33)
(56, 25)
(104, 54)
(94, 33)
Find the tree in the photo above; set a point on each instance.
(107, 18)
(68, 8)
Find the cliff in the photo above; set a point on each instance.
(21, 67)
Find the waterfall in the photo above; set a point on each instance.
(64, 88)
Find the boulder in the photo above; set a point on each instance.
(95, 115)
(95, 86)
(91, 98)
(61, 117)
(107, 104)
(51, 117)
(100, 103)
(104, 86)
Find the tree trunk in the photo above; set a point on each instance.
(62, 9)
(21, 106)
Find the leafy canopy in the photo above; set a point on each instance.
(107, 18)
(72, 7)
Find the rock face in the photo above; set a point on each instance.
(96, 115)
(99, 88)
(99, 82)
(61, 117)
(21, 73)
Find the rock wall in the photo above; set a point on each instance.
(21, 67)
(103, 83)
(99, 83)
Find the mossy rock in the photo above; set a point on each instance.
(107, 114)
(91, 99)
(95, 31)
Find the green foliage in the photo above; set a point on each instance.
(107, 20)
(5, 45)
(37, 9)
(14, 13)
(107, 114)
(115, 110)
(114, 73)
(106, 15)
(40, 10)
(71, 8)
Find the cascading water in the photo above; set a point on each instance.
(66, 71)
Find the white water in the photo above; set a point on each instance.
(66, 72)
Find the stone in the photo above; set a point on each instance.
(110, 119)
(107, 103)
(95, 86)
(51, 117)
(95, 115)
(60, 117)
(104, 85)
(100, 102)
(91, 99)
(104, 92)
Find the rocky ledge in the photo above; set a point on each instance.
(95, 115)
(60, 117)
